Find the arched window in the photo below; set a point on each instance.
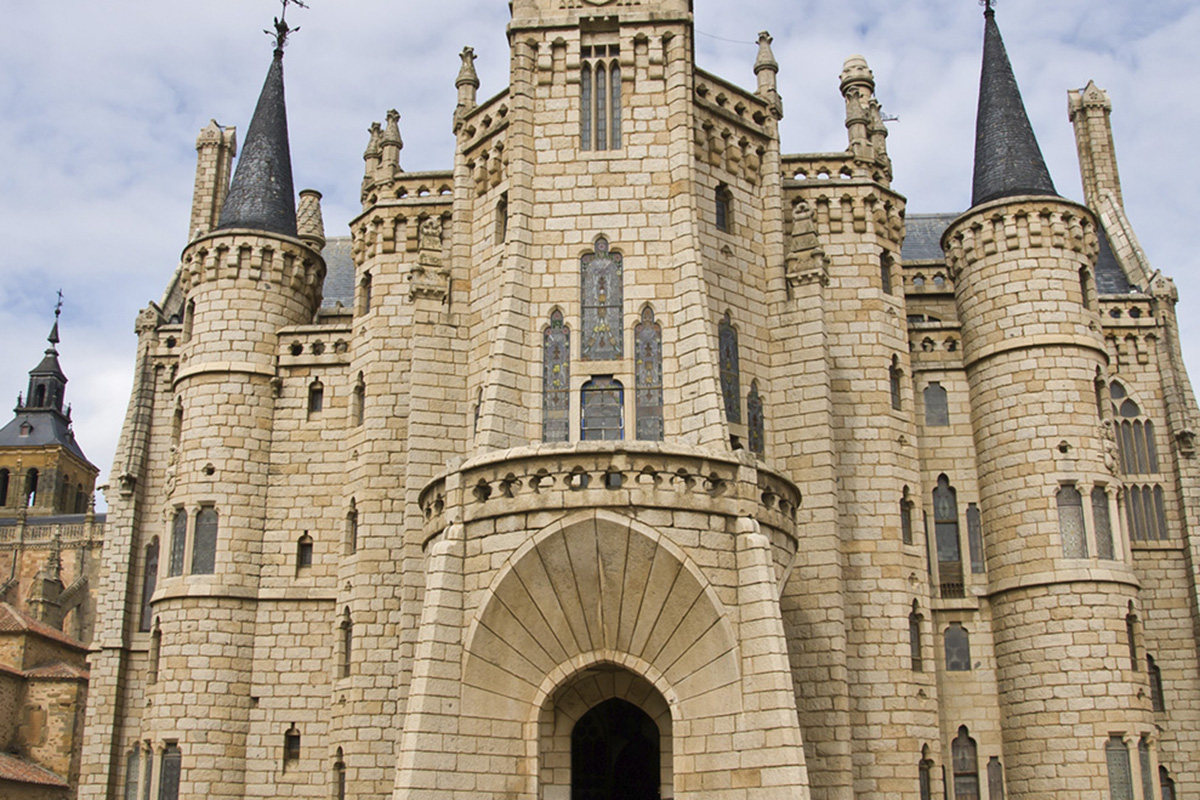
(1070, 522)
(945, 529)
(914, 639)
(358, 404)
(132, 770)
(556, 380)
(995, 774)
(316, 398)
(958, 648)
(1085, 288)
(975, 539)
(1165, 784)
(937, 409)
(1131, 637)
(1145, 506)
(204, 542)
(149, 583)
(364, 293)
(178, 543)
(3, 487)
(1157, 701)
(723, 200)
(648, 375)
(730, 369)
(502, 219)
(169, 772)
(885, 272)
(925, 774)
(602, 281)
(906, 521)
(600, 98)
(1145, 769)
(346, 650)
(31, 488)
(155, 652)
(966, 766)
(1120, 779)
(189, 317)
(754, 419)
(339, 775)
(602, 409)
(304, 552)
(291, 747)
(1104, 536)
(352, 528)
(894, 382)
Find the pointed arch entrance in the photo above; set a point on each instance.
(615, 754)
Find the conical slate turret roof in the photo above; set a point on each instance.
(262, 196)
(1008, 161)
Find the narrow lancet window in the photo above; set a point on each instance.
(914, 639)
(556, 380)
(149, 583)
(975, 539)
(648, 372)
(1070, 522)
(965, 756)
(754, 419)
(168, 775)
(730, 369)
(602, 278)
(1120, 778)
(995, 773)
(945, 527)
(937, 410)
(1104, 535)
(958, 648)
(204, 546)
(178, 544)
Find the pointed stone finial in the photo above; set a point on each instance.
(53, 337)
(467, 84)
(391, 144)
(766, 68)
(310, 225)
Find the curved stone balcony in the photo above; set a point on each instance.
(551, 477)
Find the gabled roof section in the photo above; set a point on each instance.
(13, 620)
(19, 770)
(262, 196)
(1008, 161)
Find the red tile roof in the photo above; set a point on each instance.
(12, 620)
(21, 771)
(57, 670)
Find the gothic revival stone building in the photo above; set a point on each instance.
(631, 457)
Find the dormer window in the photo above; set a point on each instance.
(26, 429)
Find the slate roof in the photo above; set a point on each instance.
(262, 196)
(49, 427)
(20, 771)
(1110, 277)
(1008, 161)
(339, 273)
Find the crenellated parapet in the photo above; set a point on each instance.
(734, 128)
(268, 260)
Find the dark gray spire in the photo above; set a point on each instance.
(1008, 161)
(262, 196)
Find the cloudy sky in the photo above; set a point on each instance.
(100, 104)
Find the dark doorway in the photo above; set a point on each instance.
(615, 754)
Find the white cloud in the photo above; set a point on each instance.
(100, 105)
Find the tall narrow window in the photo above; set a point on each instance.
(502, 219)
(358, 404)
(894, 382)
(1157, 701)
(1085, 288)
(730, 369)
(1131, 637)
(614, 106)
(648, 373)
(178, 543)
(132, 770)
(1104, 536)
(3, 487)
(914, 639)
(975, 539)
(754, 419)
(1144, 767)
(168, 774)
(602, 279)
(925, 774)
(937, 409)
(147, 771)
(1120, 779)
(966, 766)
(885, 272)
(345, 656)
(600, 98)
(1165, 784)
(189, 316)
(155, 652)
(31, 488)
(149, 583)
(945, 527)
(1070, 522)
(364, 288)
(906, 520)
(291, 748)
(958, 648)
(352, 528)
(339, 776)
(602, 412)
(316, 398)
(556, 380)
(995, 774)
(722, 200)
(585, 106)
(204, 544)
(601, 74)
(304, 552)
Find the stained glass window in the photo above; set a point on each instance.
(149, 582)
(1166, 784)
(730, 368)
(945, 528)
(995, 774)
(754, 417)
(204, 547)
(966, 766)
(178, 543)
(1157, 700)
(556, 380)
(602, 277)
(648, 373)
(906, 521)
(585, 110)
(168, 777)
(1104, 537)
(937, 412)
(1120, 781)
(925, 778)
(131, 774)
(958, 648)
(1147, 774)
(602, 414)
(1070, 523)
(600, 99)
(975, 539)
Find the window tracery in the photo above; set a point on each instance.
(556, 380)
(730, 369)
(602, 279)
(648, 374)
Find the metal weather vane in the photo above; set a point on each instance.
(282, 29)
(989, 5)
